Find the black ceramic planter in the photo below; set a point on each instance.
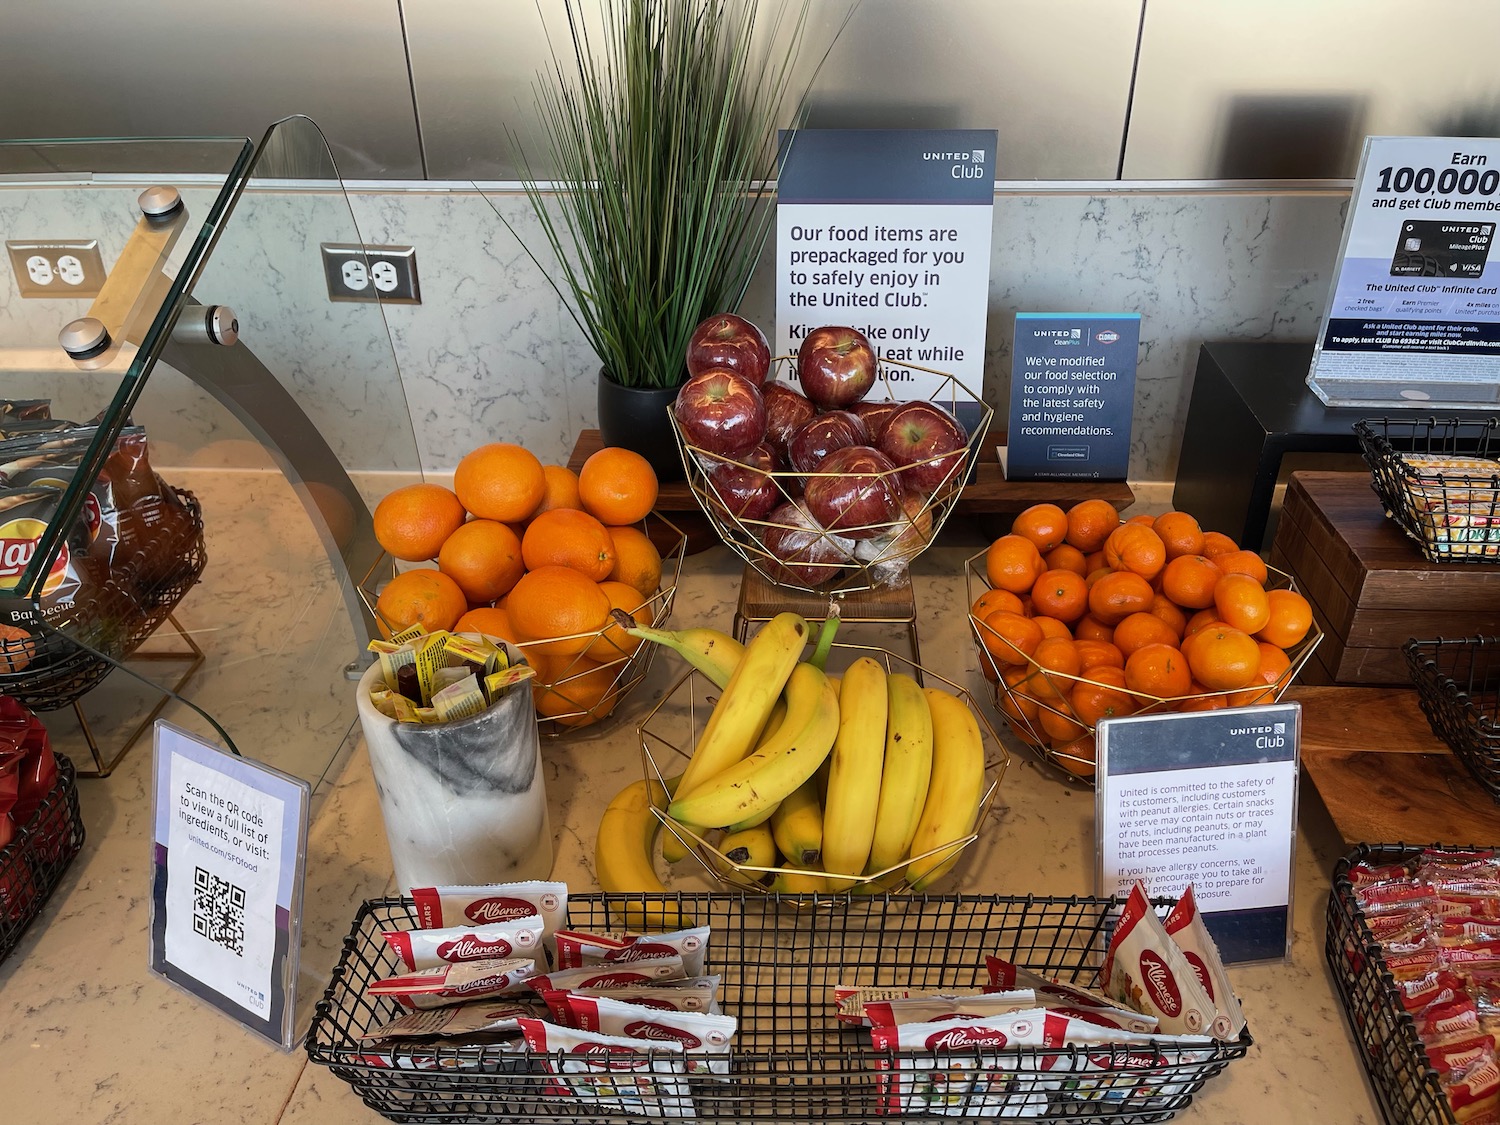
(638, 418)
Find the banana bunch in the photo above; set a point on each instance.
(817, 783)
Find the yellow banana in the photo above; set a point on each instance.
(797, 883)
(954, 793)
(713, 653)
(797, 825)
(786, 759)
(622, 855)
(778, 712)
(854, 775)
(750, 847)
(904, 774)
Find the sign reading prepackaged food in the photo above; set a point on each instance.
(888, 231)
(1413, 316)
(1072, 389)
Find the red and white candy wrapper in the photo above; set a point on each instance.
(424, 949)
(483, 1017)
(692, 994)
(1474, 1092)
(577, 949)
(456, 983)
(698, 1033)
(1184, 925)
(1068, 999)
(655, 969)
(1133, 1065)
(947, 1006)
(440, 907)
(610, 1073)
(849, 1000)
(1147, 972)
(970, 1076)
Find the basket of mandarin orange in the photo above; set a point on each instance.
(547, 559)
(1078, 617)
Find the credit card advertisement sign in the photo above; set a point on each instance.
(1418, 285)
(888, 231)
(1072, 391)
(1207, 798)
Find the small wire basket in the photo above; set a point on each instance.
(790, 1062)
(32, 864)
(671, 729)
(1458, 686)
(823, 561)
(1440, 481)
(1047, 721)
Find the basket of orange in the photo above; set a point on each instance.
(541, 557)
(1078, 617)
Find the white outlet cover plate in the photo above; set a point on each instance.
(57, 268)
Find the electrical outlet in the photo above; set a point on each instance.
(57, 269)
(371, 273)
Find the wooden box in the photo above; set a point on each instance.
(1371, 589)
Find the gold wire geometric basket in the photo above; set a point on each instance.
(830, 562)
(1023, 711)
(670, 730)
(582, 691)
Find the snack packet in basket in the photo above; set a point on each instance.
(424, 949)
(576, 948)
(1474, 1092)
(691, 994)
(947, 1006)
(698, 1033)
(1137, 1068)
(1184, 925)
(481, 1017)
(612, 976)
(1146, 971)
(610, 1073)
(455, 983)
(497, 902)
(849, 1000)
(956, 1068)
(1067, 999)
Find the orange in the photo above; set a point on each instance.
(558, 606)
(1044, 524)
(991, 600)
(1224, 658)
(1136, 548)
(1090, 523)
(1013, 563)
(1097, 654)
(1090, 628)
(1009, 637)
(1052, 627)
(583, 693)
(1202, 620)
(1142, 518)
(501, 482)
(615, 642)
(1243, 562)
(1066, 557)
(1202, 702)
(1059, 725)
(484, 558)
(1168, 611)
(1103, 696)
(1242, 603)
(490, 620)
(419, 597)
(1077, 757)
(1017, 706)
(566, 537)
(1290, 619)
(637, 561)
(1142, 629)
(1061, 594)
(1274, 672)
(1158, 670)
(1189, 581)
(1216, 543)
(1058, 658)
(17, 648)
(1093, 561)
(617, 486)
(1096, 574)
(561, 489)
(1180, 534)
(1116, 596)
(412, 522)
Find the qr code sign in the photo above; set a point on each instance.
(219, 911)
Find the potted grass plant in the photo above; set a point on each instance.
(659, 125)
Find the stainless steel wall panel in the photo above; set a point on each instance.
(72, 68)
(1288, 89)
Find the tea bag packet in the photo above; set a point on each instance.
(1184, 925)
(655, 969)
(475, 1018)
(425, 949)
(959, 1068)
(576, 948)
(939, 1007)
(704, 1038)
(1146, 971)
(449, 984)
(611, 1073)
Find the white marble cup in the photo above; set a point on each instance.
(463, 802)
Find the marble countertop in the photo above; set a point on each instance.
(91, 1035)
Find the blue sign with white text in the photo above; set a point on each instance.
(1072, 391)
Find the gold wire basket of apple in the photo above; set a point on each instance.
(581, 678)
(1055, 680)
(833, 487)
(671, 729)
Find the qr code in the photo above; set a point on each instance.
(219, 911)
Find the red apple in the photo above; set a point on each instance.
(803, 554)
(730, 342)
(816, 439)
(912, 534)
(787, 409)
(855, 491)
(721, 413)
(876, 414)
(744, 488)
(836, 366)
(928, 443)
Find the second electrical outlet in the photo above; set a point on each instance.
(371, 273)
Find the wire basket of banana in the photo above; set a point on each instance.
(846, 770)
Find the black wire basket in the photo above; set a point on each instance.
(791, 1061)
(1406, 1087)
(1451, 510)
(32, 864)
(1458, 686)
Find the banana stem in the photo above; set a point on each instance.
(825, 636)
